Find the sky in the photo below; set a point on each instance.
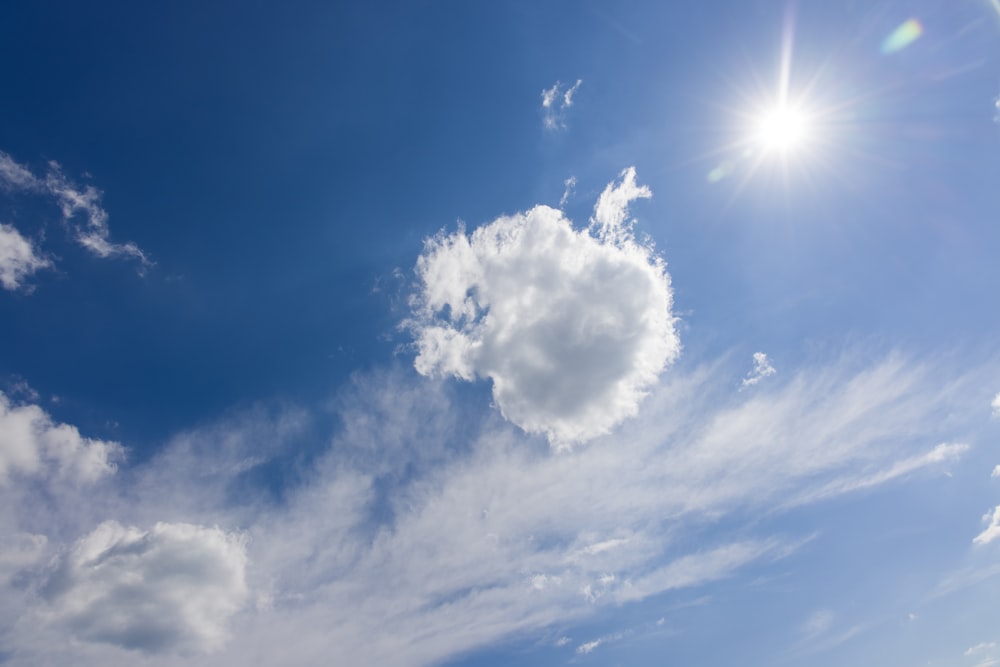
(514, 333)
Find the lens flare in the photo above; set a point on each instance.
(903, 36)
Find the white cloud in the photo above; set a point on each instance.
(570, 187)
(996, 406)
(610, 222)
(588, 647)
(19, 550)
(818, 623)
(555, 101)
(14, 176)
(699, 568)
(169, 589)
(980, 648)
(31, 444)
(94, 233)
(570, 92)
(426, 531)
(996, 472)
(18, 258)
(762, 368)
(571, 327)
(992, 530)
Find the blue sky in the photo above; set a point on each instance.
(452, 333)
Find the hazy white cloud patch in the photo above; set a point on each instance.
(996, 472)
(700, 568)
(32, 444)
(996, 406)
(14, 176)
(992, 530)
(427, 530)
(171, 588)
(984, 653)
(980, 648)
(818, 623)
(762, 368)
(569, 187)
(555, 101)
(18, 258)
(571, 326)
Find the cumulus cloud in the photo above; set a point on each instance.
(571, 326)
(74, 201)
(31, 444)
(555, 101)
(168, 589)
(992, 530)
(18, 258)
(762, 368)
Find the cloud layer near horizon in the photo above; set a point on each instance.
(571, 326)
(459, 533)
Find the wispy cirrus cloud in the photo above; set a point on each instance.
(555, 101)
(460, 532)
(992, 530)
(76, 202)
(94, 234)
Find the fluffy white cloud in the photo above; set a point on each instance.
(762, 368)
(31, 443)
(992, 530)
(18, 258)
(996, 472)
(555, 101)
(572, 326)
(996, 406)
(169, 589)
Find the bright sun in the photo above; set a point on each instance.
(782, 129)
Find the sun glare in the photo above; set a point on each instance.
(782, 129)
